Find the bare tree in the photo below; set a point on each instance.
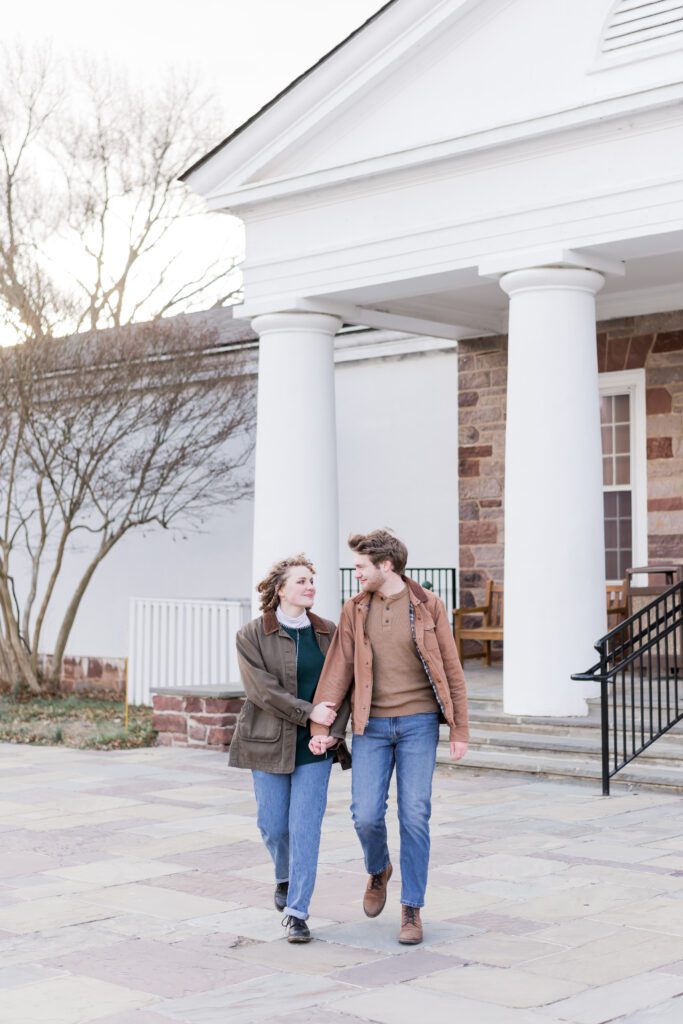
(99, 435)
(95, 229)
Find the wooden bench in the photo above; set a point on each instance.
(491, 627)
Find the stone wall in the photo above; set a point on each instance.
(195, 720)
(654, 342)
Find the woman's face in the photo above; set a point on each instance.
(298, 588)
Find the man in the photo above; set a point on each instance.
(394, 643)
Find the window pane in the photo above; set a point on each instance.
(623, 504)
(607, 475)
(625, 533)
(622, 438)
(625, 561)
(610, 501)
(606, 440)
(622, 405)
(610, 533)
(612, 565)
(606, 409)
(622, 469)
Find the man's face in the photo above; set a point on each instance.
(371, 577)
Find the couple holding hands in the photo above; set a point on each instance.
(391, 664)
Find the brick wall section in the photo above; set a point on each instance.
(185, 720)
(654, 342)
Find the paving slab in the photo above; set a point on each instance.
(136, 890)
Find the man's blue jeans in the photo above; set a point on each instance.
(408, 742)
(290, 816)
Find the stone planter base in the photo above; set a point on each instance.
(200, 718)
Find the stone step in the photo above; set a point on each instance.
(665, 750)
(535, 763)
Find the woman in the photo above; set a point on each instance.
(281, 655)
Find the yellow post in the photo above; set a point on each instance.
(125, 677)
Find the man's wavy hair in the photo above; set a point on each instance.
(271, 584)
(380, 546)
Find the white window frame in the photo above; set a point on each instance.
(633, 383)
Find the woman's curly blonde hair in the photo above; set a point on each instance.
(271, 584)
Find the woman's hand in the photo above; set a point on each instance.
(319, 744)
(458, 749)
(324, 713)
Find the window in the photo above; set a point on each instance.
(622, 421)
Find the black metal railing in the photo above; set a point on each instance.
(639, 671)
(441, 581)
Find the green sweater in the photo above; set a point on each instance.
(309, 664)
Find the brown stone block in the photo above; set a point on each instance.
(481, 414)
(481, 451)
(466, 558)
(472, 579)
(669, 341)
(209, 719)
(168, 722)
(617, 350)
(638, 351)
(160, 702)
(219, 737)
(659, 448)
(193, 704)
(665, 425)
(658, 401)
(466, 399)
(491, 503)
(475, 381)
(219, 705)
(469, 510)
(665, 546)
(466, 361)
(665, 375)
(197, 732)
(468, 467)
(481, 487)
(479, 533)
(491, 360)
(499, 377)
(665, 504)
(470, 435)
(164, 739)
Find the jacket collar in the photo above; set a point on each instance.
(417, 594)
(271, 625)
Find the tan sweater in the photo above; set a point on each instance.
(399, 682)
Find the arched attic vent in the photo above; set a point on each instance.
(634, 22)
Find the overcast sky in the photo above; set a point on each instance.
(247, 50)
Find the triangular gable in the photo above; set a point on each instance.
(425, 73)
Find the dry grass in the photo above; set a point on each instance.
(74, 721)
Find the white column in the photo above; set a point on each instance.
(295, 487)
(554, 541)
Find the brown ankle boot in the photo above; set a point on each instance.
(411, 926)
(376, 892)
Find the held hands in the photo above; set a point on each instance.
(458, 749)
(324, 713)
(319, 744)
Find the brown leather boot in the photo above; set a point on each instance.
(376, 892)
(411, 926)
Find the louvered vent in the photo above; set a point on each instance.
(633, 22)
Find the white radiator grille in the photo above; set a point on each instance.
(642, 21)
(183, 644)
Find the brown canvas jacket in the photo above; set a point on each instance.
(349, 661)
(265, 735)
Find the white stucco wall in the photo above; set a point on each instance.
(397, 442)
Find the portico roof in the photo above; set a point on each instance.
(449, 137)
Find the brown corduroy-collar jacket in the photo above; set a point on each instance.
(265, 735)
(349, 661)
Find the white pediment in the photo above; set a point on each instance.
(427, 73)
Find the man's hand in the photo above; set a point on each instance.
(324, 713)
(458, 749)
(319, 744)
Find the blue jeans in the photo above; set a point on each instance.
(290, 816)
(408, 742)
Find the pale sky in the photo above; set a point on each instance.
(246, 50)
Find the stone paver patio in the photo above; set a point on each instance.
(134, 889)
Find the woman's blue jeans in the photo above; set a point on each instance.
(409, 743)
(290, 811)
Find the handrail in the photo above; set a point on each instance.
(641, 660)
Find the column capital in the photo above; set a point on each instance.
(533, 279)
(301, 322)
